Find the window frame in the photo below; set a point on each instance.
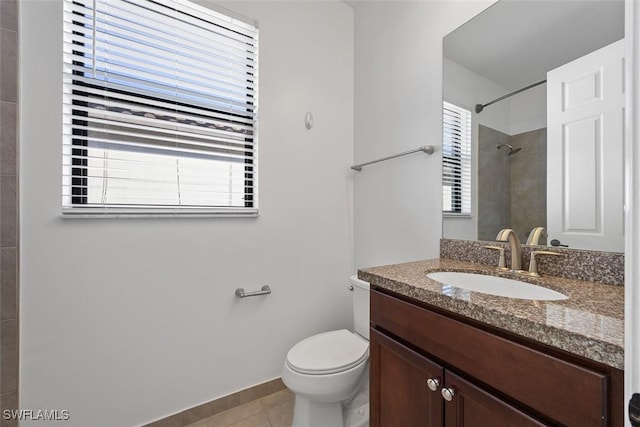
(75, 204)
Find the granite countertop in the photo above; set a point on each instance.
(590, 323)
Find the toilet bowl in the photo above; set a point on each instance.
(329, 372)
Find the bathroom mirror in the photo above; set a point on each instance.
(510, 47)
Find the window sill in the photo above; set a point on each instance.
(454, 215)
(70, 213)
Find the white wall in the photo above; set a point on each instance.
(129, 320)
(528, 110)
(398, 107)
(465, 88)
(632, 202)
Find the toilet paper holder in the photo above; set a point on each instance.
(240, 292)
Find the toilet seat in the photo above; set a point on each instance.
(328, 353)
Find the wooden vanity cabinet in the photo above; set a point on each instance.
(473, 406)
(399, 390)
(401, 396)
(495, 381)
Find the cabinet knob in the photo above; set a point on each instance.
(433, 384)
(448, 394)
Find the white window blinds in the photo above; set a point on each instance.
(159, 109)
(456, 160)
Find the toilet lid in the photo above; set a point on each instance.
(328, 353)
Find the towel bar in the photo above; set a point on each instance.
(425, 149)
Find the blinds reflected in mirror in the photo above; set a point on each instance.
(456, 160)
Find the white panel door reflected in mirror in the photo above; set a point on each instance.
(510, 46)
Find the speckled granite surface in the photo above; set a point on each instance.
(590, 323)
(580, 264)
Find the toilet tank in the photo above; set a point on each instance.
(360, 306)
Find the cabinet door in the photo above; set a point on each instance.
(471, 406)
(400, 393)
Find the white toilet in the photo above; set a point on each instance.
(329, 372)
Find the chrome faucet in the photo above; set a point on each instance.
(508, 234)
(535, 235)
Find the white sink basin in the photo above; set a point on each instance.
(499, 286)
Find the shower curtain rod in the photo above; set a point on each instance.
(480, 107)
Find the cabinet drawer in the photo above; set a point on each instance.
(563, 391)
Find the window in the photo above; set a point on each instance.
(456, 160)
(159, 109)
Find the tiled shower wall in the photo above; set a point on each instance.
(494, 183)
(9, 238)
(512, 190)
(529, 182)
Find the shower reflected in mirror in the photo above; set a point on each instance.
(512, 150)
(495, 66)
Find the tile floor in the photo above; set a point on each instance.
(274, 410)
